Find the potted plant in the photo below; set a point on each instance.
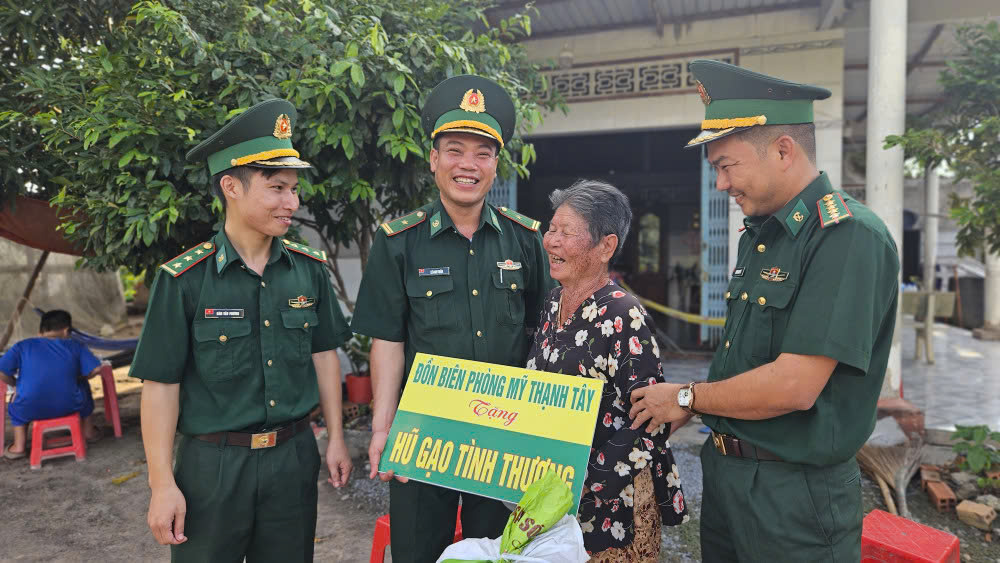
(359, 384)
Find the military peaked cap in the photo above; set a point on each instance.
(736, 99)
(469, 104)
(260, 137)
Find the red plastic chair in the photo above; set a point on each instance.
(77, 447)
(381, 538)
(110, 399)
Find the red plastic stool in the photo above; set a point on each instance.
(381, 538)
(891, 539)
(77, 447)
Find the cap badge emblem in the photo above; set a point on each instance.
(473, 101)
(705, 98)
(283, 127)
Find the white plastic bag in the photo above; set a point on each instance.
(562, 543)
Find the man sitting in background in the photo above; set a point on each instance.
(52, 379)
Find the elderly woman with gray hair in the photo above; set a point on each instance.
(593, 328)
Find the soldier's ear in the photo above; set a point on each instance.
(434, 159)
(788, 150)
(232, 187)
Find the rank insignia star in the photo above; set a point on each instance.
(405, 222)
(178, 264)
(199, 251)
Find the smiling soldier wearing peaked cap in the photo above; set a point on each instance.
(238, 346)
(792, 389)
(457, 277)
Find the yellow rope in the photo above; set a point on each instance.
(733, 122)
(686, 317)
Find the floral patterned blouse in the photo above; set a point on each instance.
(609, 338)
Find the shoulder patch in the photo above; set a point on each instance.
(306, 250)
(523, 220)
(399, 225)
(832, 210)
(189, 258)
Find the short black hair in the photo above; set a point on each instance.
(56, 319)
(241, 173)
(763, 135)
(437, 142)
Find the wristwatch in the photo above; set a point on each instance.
(685, 398)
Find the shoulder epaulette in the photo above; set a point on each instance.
(189, 258)
(399, 225)
(303, 249)
(832, 210)
(523, 220)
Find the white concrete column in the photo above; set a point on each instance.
(992, 291)
(887, 116)
(735, 224)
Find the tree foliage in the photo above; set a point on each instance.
(106, 109)
(965, 132)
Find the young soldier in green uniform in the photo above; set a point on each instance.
(459, 278)
(792, 389)
(239, 345)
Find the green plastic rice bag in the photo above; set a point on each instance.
(543, 504)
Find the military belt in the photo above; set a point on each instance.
(732, 446)
(257, 440)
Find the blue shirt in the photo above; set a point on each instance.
(49, 369)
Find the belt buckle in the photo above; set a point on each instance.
(719, 443)
(263, 440)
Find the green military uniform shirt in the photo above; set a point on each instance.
(428, 286)
(819, 277)
(239, 343)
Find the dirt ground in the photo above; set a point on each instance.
(96, 509)
(70, 511)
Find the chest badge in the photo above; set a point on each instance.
(509, 265)
(773, 275)
(301, 302)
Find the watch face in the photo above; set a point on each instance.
(684, 397)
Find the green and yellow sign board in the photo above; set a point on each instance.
(491, 430)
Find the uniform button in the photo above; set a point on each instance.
(268, 323)
(479, 333)
(513, 286)
(728, 294)
(727, 345)
(761, 248)
(273, 403)
(223, 338)
(761, 300)
(306, 325)
(475, 292)
(472, 252)
(744, 296)
(429, 293)
(262, 284)
(270, 363)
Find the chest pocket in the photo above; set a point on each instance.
(432, 302)
(221, 347)
(735, 305)
(769, 305)
(299, 325)
(508, 296)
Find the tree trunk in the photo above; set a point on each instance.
(23, 300)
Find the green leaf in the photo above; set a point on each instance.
(977, 459)
(165, 192)
(107, 65)
(339, 67)
(357, 75)
(352, 50)
(399, 83)
(127, 158)
(348, 143)
(217, 73)
(397, 118)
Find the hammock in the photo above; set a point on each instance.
(91, 341)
